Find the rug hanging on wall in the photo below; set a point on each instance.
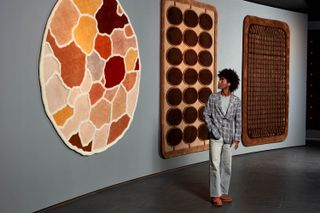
(188, 74)
(89, 73)
(265, 81)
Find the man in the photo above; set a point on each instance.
(223, 118)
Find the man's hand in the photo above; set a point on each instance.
(235, 143)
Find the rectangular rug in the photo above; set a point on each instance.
(265, 81)
(188, 74)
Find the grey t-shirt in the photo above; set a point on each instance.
(225, 100)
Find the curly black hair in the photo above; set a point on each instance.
(231, 76)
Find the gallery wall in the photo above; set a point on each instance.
(38, 170)
(312, 134)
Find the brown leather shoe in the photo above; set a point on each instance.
(216, 201)
(226, 198)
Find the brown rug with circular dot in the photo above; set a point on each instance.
(188, 74)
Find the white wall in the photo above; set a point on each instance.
(38, 170)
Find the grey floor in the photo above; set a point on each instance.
(283, 180)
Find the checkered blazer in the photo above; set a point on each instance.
(227, 126)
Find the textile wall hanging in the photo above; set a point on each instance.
(265, 81)
(89, 73)
(188, 74)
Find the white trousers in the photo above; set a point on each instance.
(220, 167)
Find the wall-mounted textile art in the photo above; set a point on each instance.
(188, 70)
(89, 73)
(265, 81)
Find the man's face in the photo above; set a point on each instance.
(223, 83)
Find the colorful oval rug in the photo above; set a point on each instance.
(89, 73)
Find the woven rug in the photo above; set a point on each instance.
(265, 81)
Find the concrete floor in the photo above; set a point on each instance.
(283, 180)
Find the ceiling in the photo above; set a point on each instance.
(293, 5)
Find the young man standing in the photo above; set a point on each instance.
(223, 118)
